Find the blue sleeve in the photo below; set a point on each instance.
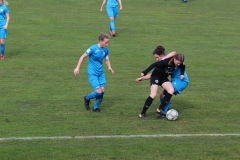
(6, 10)
(106, 51)
(89, 51)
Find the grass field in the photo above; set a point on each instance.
(40, 97)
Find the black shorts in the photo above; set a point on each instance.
(155, 79)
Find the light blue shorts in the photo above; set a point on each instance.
(112, 11)
(178, 85)
(97, 82)
(3, 33)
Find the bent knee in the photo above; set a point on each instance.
(153, 96)
(100, 90)
(170, 91)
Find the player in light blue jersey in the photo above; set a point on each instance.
(4, 20)
(112, 12)
(96, 77)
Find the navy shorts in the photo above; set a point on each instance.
(155, 79)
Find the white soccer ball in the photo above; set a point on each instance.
(172, 115)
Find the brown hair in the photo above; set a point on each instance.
(179, 57)
(102, 36)
(160, 50)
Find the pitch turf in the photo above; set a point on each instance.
(40, 96)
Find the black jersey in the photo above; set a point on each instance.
(164, 68)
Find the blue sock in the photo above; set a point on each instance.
(98, 101)
(112, 25)
(2, 49)
(110, 28)
(93, 95)
(166, 107)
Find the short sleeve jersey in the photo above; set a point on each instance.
(96, 56)
(112, 3)
(3, 11)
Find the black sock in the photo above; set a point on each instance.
(165, 92)
(165, 99)
(147, 104)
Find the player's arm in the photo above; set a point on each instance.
(182, 68)
(120, 4)
(170, 55)
(7, 20)
(103, 3)
(143, 78)
(108, 63)
(76, 70)
(154, 65)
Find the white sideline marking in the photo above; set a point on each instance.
(120, 136)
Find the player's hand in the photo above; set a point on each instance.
(138, 80)
(110, 69)
(76, 71)
(120, 8)
(142, 75)
(181, 76)
(100, 9)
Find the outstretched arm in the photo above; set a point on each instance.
(143, 78)
(154, 65)
(169, 55)
(76, 70)
(103, 3)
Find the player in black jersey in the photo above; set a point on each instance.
(159, 78)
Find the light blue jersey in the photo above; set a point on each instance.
(177, 74)
(3, 32)
(96, 56)
(95, 72)
(3, 11)
(112, 3)
(179, 84)
(96, 76)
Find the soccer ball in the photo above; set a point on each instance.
(172, 115)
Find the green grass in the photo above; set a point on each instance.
(40, 96)
(171, 148)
